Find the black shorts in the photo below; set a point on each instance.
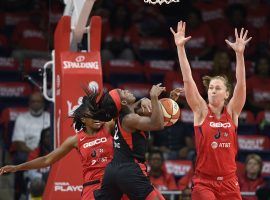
(124, 178)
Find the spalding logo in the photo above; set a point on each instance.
(80, 58)
(80, 65)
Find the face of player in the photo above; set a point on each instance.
(217, 92)
(91, 123)
(127, 97)
(252, 167)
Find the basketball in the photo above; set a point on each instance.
(171, 111)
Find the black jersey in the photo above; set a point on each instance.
(129, 145)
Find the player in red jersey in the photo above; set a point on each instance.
(215, 123)
(94, 144)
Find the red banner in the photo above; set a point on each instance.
(34, 64)
(15, 89)
(253, 142)
(178, 167)
(8, 64)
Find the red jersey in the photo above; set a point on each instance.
(96, 151)
(216, 145)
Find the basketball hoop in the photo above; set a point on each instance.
(161, 1)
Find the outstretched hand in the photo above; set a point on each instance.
(240, 41)
(179, 36)
(174, 94)
(7, 169)
(156, 90)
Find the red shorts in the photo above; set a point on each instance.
(206, 188)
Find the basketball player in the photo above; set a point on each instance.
(94, 158)
(215, 122)
(126, 174)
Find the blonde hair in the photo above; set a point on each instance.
(208, 79)
(258, 159)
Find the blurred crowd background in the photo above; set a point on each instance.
(137, 51)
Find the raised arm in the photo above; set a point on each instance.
(194, 99)
(43, 161)
(155, 122)
(238, 99)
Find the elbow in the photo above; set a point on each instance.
(47, 161)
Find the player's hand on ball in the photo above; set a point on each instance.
(179, 36)
(156, 90)
(175, 93)
(240, 41)
(146, 105)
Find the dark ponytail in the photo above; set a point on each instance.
(107, 109)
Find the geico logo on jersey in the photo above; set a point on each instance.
(215, 145)
(92, 143)
(66, 187)
(220, 125)
(81, 65)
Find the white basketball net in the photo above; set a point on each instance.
(161, 1)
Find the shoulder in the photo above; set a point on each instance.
(72, 140)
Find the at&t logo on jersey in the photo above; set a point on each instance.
(95, 142)
(215, 145)
(220, 125)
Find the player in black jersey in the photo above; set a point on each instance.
(126, 174)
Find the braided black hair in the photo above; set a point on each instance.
(107, 109)
(103, 110)
(88, 104)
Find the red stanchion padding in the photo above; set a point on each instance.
(73, 71)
